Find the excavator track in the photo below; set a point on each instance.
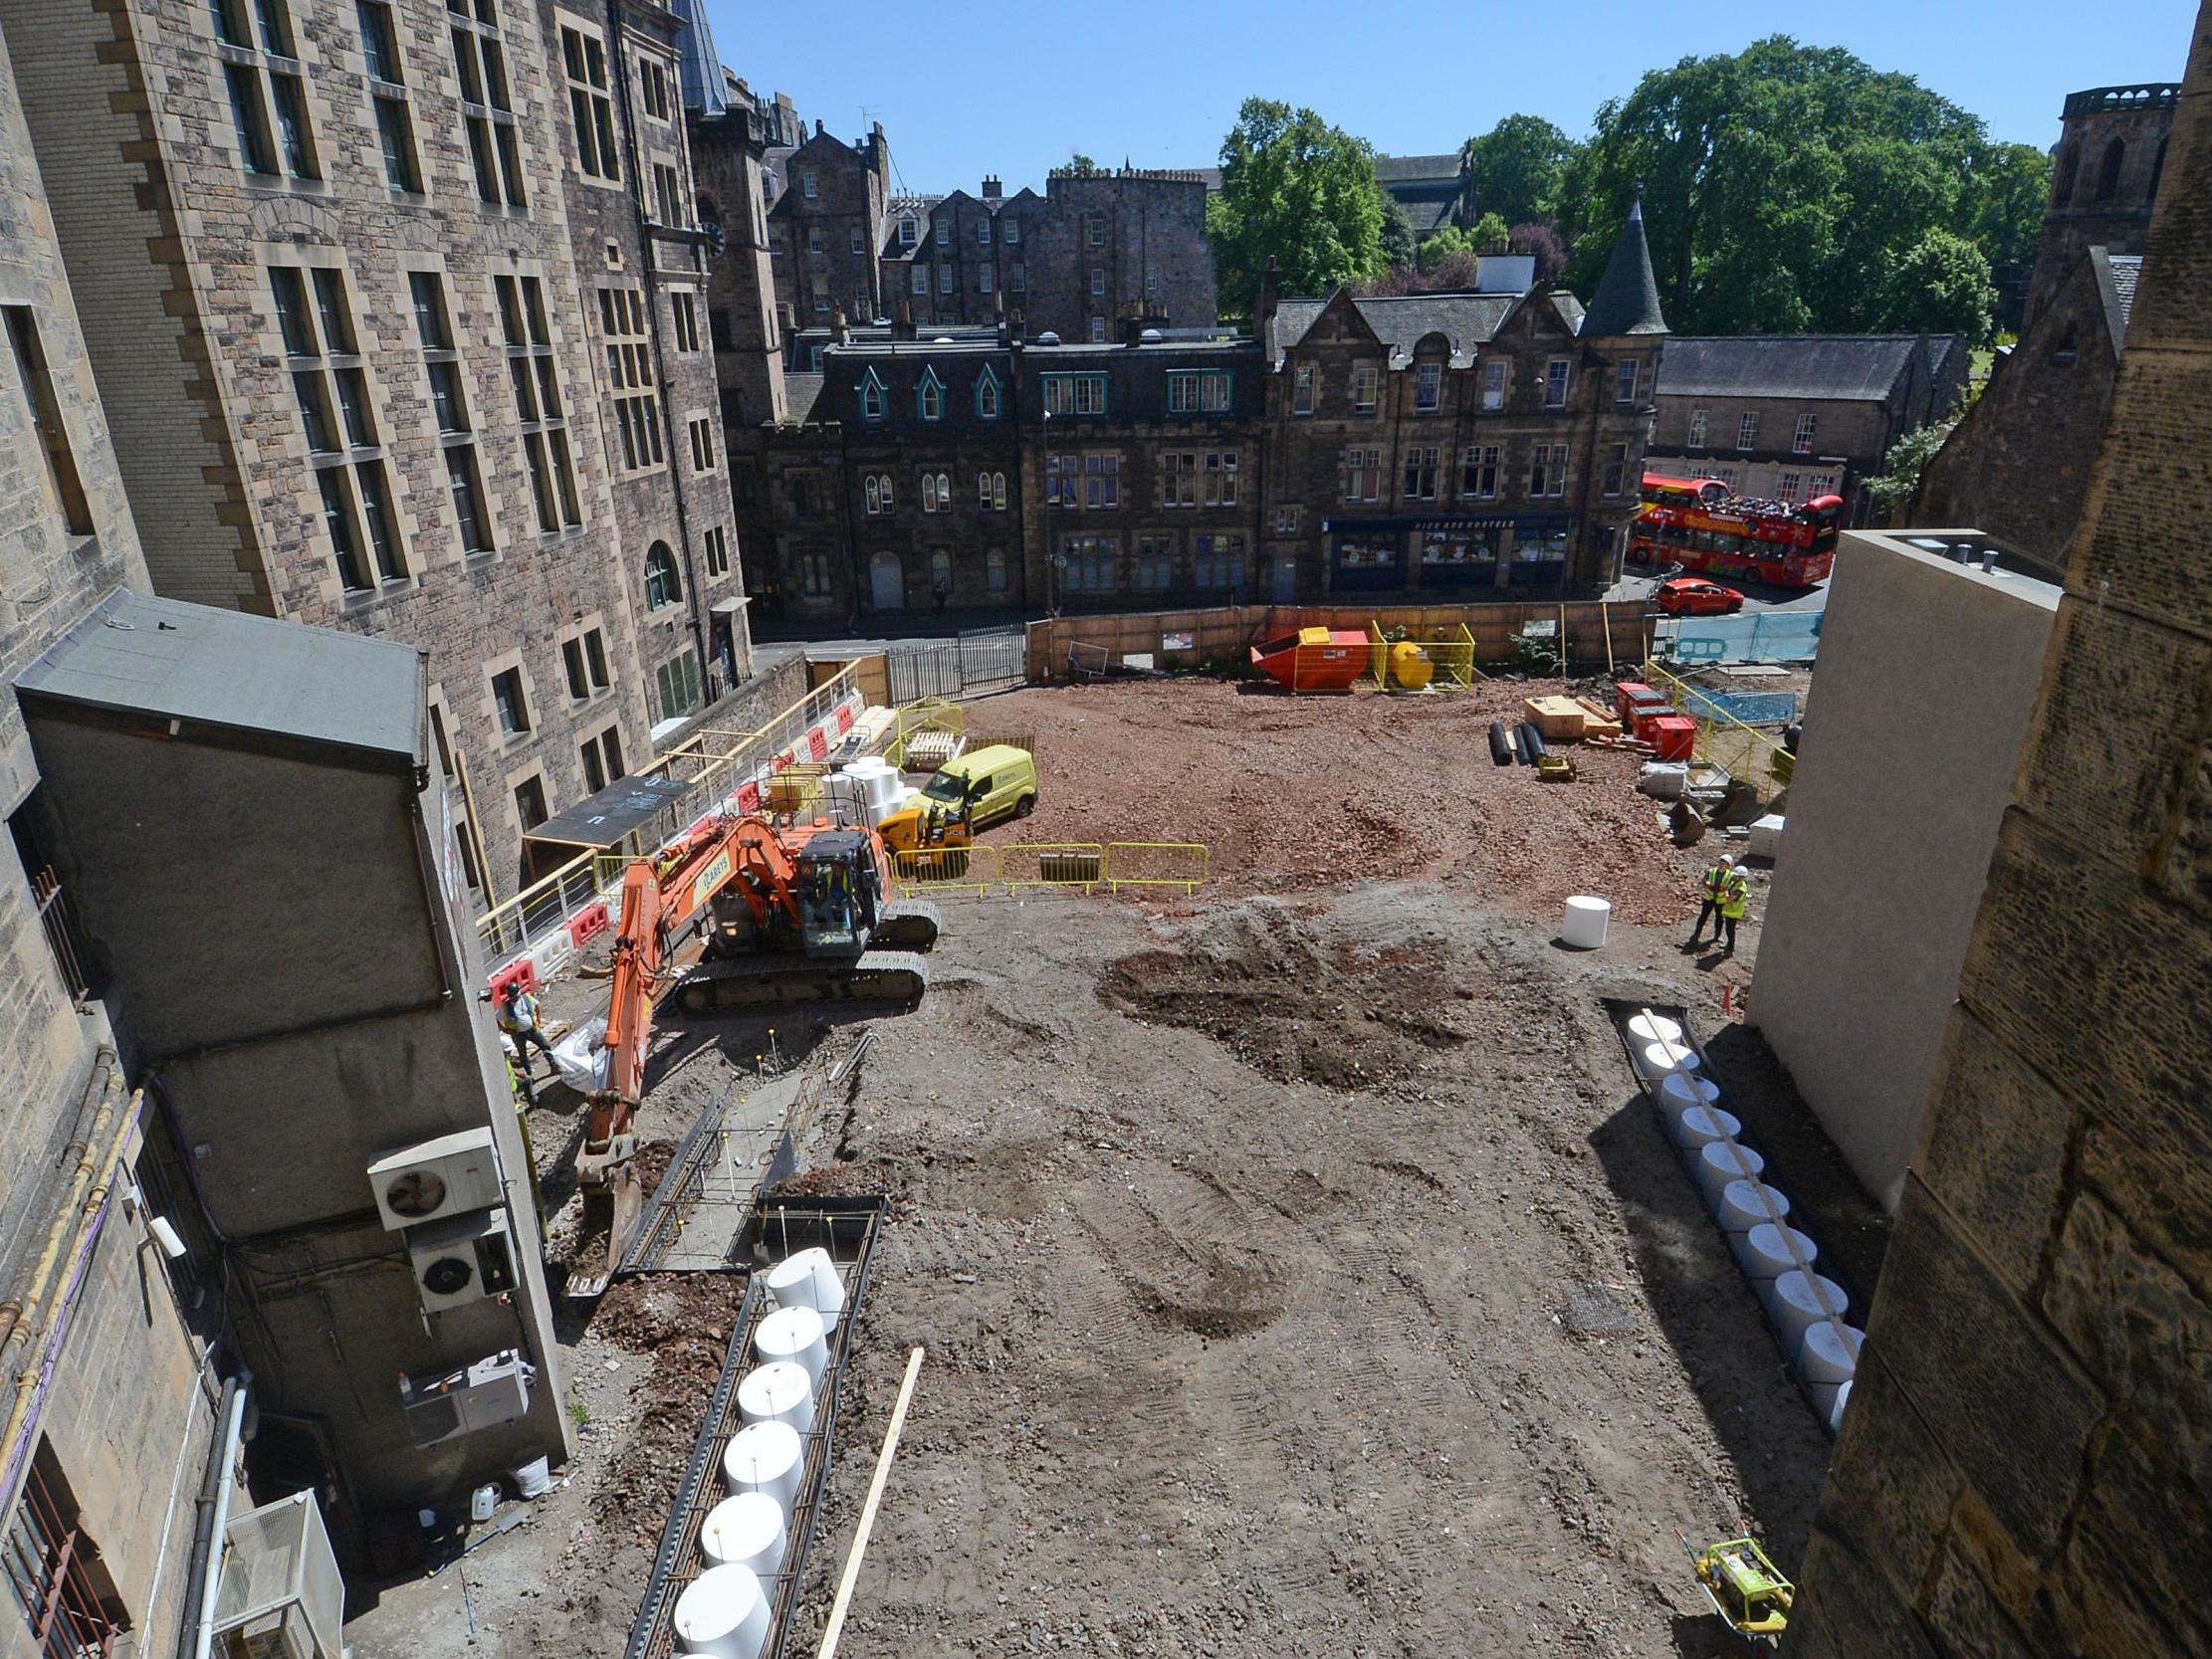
(905, 924)
(899, 976)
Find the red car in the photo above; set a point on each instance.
(1695, 596)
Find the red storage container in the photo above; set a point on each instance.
(1628, 694)
(1673, 737)
(1646, 716)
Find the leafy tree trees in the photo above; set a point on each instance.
(1083, 165)
(1908, 457)
(1787, 186)
(1515, 168)
(1400, 244)
(1297, 188)
(1942, 285)
(1541, 238)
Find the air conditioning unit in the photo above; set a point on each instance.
(494, 1390)
(439, 1178)
(280, 1595)
(463, 1260)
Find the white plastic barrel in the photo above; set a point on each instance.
(809, 1279)
(1763, 1248)
(1745, 1205)
(723, 1612)
(1681, 1090)
(1657, 1060)
(1826, 1354)
(1836, 1411)
(1655, 1028)
(1795, 1300)
(777, 1394)
(794, 1334)
(1587, 920)
(1703, 1123)
(1723, 1163)
(747, 1530)
(766, 1457)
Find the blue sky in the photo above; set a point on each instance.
(965, 90)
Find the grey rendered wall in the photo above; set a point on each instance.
(1927, 676)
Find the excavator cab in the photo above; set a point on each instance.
(840, 888)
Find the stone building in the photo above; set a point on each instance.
(2017, 464)
(1095, 248)
(1788, 417)
(1453, 445)
(126, 1417)
(825, 227)
(1435, 192)
(729, 141)
(387, 305)
(2025, 1466)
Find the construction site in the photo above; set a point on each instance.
(1284, 1207)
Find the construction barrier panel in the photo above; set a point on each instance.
(926, 733)
(1064, 864)
(1445, 661)
(1748, 637)
(1156, 864)
(946, 869)
(1722, 741)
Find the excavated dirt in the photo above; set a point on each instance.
(1301, 792)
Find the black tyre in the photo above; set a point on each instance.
(1025, 806)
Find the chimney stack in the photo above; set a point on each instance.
(901, 325)
(993, 189)
(1263, 305)
(838, 325)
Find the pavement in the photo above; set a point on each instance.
(1758, 596)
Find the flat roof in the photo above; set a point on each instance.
(133, 654)
(609, 817)
(1962, 550)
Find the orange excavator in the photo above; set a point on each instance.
(792, 913)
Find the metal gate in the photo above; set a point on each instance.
(981, 660)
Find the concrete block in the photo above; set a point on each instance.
(1766, 836)
(1957, 1340)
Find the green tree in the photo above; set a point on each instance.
(1297, 188)
(1515, 168)
(1783, 186)
(2006, 188)
(1401, 247)
(1083, 165)
(1942, 285)
(1908, 459)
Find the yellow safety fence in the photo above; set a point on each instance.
(713, 762)
(987, 867)
(1441, 661)
(933, 727)
(1722, 741)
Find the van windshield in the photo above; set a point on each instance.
(944, 787)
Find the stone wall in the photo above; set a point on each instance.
(2026, 1465)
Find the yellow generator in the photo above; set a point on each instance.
(1745, 1588)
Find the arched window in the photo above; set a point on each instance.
(890, 502)
(662, 585)
(873, 493)
(2107, 170)
(983, 489)
(929, 492)
(998, 492)
(944, 491)
(2063, 349)
(2069, 169)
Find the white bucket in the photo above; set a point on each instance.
(794, 1334)
(766, 1457)
(809, 1280)
(721, 1612)
(777, 1394)
(533, 1478)
(1796, 1300)
(1762, 1248)
(1747, 1204)
(1827, 1355)
(1657, 1060)
(1721, 1163)
(1586, 923)
(1655, 1028)
(1681, 1091)
(747, 1530)
(1703, 1123)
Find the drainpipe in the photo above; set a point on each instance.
(204, 1581)
(617, 61)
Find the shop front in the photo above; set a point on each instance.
(1451, 556)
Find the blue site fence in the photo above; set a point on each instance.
(1751, 708)
(1757, 637)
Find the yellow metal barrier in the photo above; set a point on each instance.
(1449, 658)
(1052, 864)
(946, 869)
(1722, 741)
(1156, 864)
(916, 723)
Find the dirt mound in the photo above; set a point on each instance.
(684, 1320)
(1343, 1014)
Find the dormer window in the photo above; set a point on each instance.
(873, 401)
(908, 232)
(987, 395)
(929, 397)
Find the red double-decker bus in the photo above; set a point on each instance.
(1700, 525)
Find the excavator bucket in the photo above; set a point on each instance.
(628, 1194)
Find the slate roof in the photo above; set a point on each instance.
(1627, 301)
(799, 395)
(1400, 169)
(1831, 368)
(698, 70)
(2117, 275)
(136, 654)
(1401, 321)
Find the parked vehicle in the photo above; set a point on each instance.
(971, 791)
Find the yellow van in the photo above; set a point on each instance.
(994, 782)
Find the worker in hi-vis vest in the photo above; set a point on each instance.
(1710, 891)
(517, 1017)
(1734, 895)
